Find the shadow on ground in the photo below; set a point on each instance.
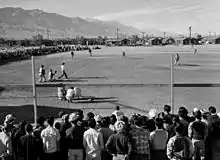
(189, 65)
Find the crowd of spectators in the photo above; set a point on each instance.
(75, 136)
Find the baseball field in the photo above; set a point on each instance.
(138, 83)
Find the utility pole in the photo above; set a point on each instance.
(48, 34)
(117, 33)
(190, 35)
(143, 36)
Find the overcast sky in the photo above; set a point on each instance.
(169, 15)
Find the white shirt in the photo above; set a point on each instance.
(62, 68)
(70, 93)
(118, 113)
(158, 139)
(50, 136)
(93, 143)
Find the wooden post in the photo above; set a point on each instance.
(171, 84)
(34, 90)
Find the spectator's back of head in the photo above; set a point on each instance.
(90, 115)
(40, 120)
(197, 114)
(182, 111)
(92, 123)
(28, 128)
(105, 122)
(113, 119)
(167, 108)
(50, 120)
(137, 121)
(22, 124)
(159, 123)
(60, 114)
(179, 129)
(212, 109)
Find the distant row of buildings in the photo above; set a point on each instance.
(162, 41)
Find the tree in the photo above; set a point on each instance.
(38, 39)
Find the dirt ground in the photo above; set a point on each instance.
(137, 83)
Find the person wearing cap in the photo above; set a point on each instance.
(166, 115)
(75, 138)
(198, 132)
(5, 142)
(140, 141)
(113, 120)
(93, 142)
(29, 146)
(117, 112)
(51, 138)
(119, 144)
(158, 141)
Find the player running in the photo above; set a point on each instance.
(195, 51)
(63, 71)
(90, 52)
(72, 55)
(177, 58)
(123, 55)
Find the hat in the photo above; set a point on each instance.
(152, 113)
(9, 118)
(195, 109)
(73, 117)
(64, 117)
(119, 125)
(98, 118)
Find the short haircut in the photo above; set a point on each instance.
(50, 120)
(137, 121)
(179, 129)
(22, 124)
(90, 115)
(117, 107)
(91, 123)
(212, 109)
(167, 108)
(105, 121)
(159, 122)
(40, 120)
(113, 119)
(57, 125)
(197, 114)
(28, 128)
(60, 114)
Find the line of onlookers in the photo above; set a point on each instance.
(74, 136)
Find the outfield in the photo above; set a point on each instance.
(138, 83)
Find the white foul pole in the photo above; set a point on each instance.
(34, 90)
(171, 84)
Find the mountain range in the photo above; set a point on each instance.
(18, 23)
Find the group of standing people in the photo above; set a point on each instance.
(51, 74)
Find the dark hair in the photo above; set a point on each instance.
(159, 122)
(137, 121)
(175, 119)
(167, 108)
(180, 129)
(197, 114)
(42, 66)
(144, 121)
(182, 111)
(63, 63)
(117, 107)
(40, 120)
(57, 125)
(22, 124)
(113, 119)
(60, 114)
(50, 120)
(28, 128)
(105, 122)
(91, 123)
(212, 109)
(90, 115)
